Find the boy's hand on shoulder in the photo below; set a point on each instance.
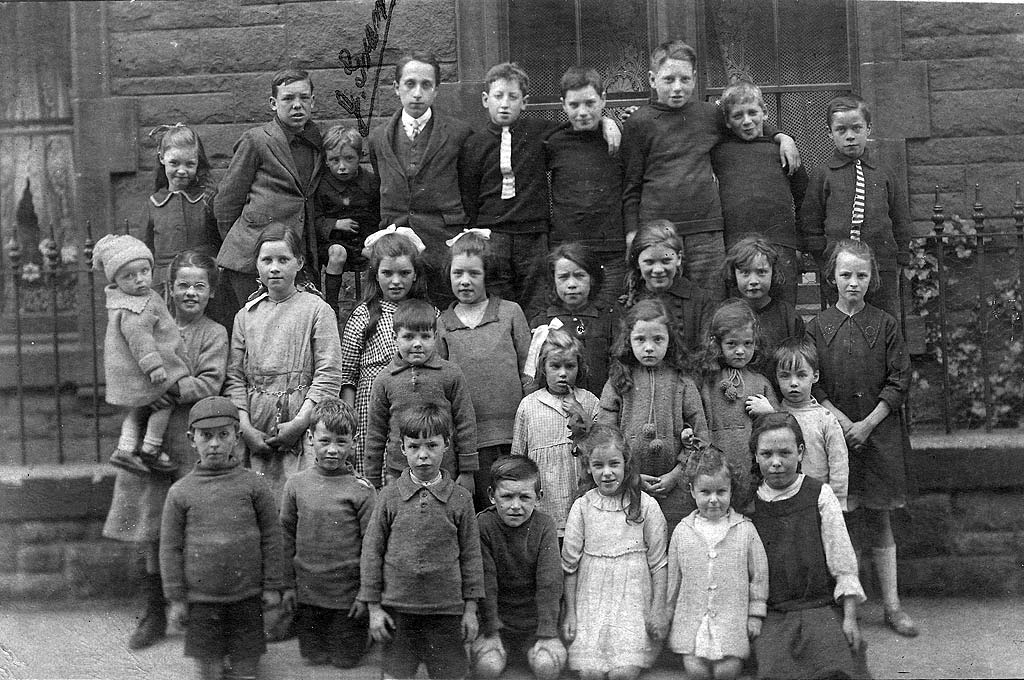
(758, 405)
(753, 627)
(178, 614)
(470, 625)
(381, 624)
(467, 482)
(788, 153)
(158, 376)
(612, 135)
(271, 598)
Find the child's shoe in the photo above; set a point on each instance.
(158, 461)
(317, 659)
(900, 621)
(129, 460)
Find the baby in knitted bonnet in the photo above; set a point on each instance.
(143, 354)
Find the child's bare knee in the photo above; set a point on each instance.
(489, 657)
(336, 258)
(547, 658)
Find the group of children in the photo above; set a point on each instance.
(651, 465)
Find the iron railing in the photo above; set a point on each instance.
(963, 316)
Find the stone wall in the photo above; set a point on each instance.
(975, 134)
(209, 64)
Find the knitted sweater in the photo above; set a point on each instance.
(492, 356)
(324, 517)
(827, 209)
(401, 385)
(758, 196)
(421, 553)
(480, 178)
(220, 538)
(141, 337)
(725, 582)
(522, 575)
(586, 190)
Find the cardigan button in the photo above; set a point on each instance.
(713, 586)
(712, 554)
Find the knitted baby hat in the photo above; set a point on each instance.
(114, 251)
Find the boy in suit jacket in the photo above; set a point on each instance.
(272, 178)
(416, 156)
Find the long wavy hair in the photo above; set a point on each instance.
(389, 245)
(732, 315)
(710, 460)
(560, 341)
(607, 435)
(742, 254)
(582, 257)
(623, 361)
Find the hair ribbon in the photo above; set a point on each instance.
(540, 336)
(401, 231)
(482, 233)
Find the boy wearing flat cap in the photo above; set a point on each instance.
(220, 548)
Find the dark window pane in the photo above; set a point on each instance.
(813, 42)
(542, 39)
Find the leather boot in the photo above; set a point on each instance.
(153, 625)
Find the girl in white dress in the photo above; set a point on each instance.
(614, 558)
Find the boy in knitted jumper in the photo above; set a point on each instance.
(522, 576)
(324, 514)
(220, 548)
(421, 573)
(143, 354)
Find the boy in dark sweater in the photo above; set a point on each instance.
(586, 182)
(758, 196)
(347, 207)
(416, 376)
(504, 185)
(666, 149)
(522, 576)
(220, 548)
(324, 515)
(421, 573)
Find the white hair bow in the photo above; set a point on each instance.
(540, 336)
(482, 233)
(392, 229)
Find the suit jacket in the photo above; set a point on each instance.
(261, 186)
(430, 197)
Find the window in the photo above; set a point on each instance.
(548, 36)
(798, 52)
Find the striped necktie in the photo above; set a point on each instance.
(508, 180)
(857, 221)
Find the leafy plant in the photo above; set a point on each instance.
(984, 349)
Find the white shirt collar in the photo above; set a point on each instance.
(408, 121)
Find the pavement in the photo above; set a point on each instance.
(960, 638)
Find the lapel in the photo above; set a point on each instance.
(278, 145)
(438, 138)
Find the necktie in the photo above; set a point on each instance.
(415, 130)
(857, 220)
(508, 180)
